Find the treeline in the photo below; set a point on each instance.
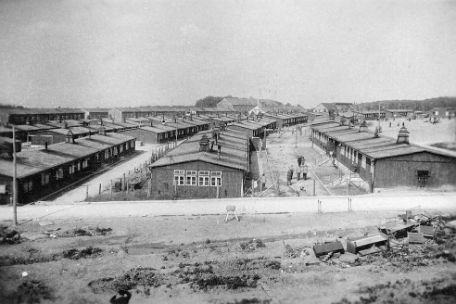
(416, 105)
(208, 101)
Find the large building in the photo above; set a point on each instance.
(40, 172)
(209, 165)
(384, 162)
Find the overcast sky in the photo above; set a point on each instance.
(140, 52)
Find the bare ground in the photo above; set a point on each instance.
(202, 259)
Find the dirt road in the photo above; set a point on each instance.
(372, 202)
(92, 185)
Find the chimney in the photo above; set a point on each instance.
(45, 145)
(403, 136)
(69, 137)
(151, 124)
(102, 131)
(219, 151)
(363, 126)
(204, 144)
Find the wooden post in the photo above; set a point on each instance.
(99, 189)
(123, 183)
(110, 189)
(14, 179)
(314, 186)
(218, 191)
(87, 191)
(149, 187)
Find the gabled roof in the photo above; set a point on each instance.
(233, 154)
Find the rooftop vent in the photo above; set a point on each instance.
(204, 144)
(102, 131)
(403, 136)
(69, 137)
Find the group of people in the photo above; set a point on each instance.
(301, 170)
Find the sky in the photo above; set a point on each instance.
(86, 53)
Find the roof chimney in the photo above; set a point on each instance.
(363, 126)
(219, 151)
(102, 131)
(204, 144)
(45, 145)
(69, 137)
(403, 136)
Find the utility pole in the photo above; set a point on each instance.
(14, 178)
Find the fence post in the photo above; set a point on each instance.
(314, 186)
(99, 189)
(123, 183)
(110, 189)
(87, 192)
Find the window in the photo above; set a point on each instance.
(59, 173)
(216, 178)
(179, 177)
(79, 166)
(203, 178)
(120, 148)
(28, 186)
(422, 174)
(191, 177)
(85, 163)
(106, 154)
(44, 179)
(2, 189)
(363, 161)
(115, 150)
(71, 169)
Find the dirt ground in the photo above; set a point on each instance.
(263, 258)
(284, 148)
(422, 132)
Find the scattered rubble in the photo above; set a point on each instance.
(88, 231)
(31, 292)
(76, 254)
(134, 278)
(251, 245)
(9, 236)
(326, 248)
(437, 291)
(293, 253)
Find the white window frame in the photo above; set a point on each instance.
(191, 177)
(203, 178)
(71, 169)
(216, 178)
(179, 177)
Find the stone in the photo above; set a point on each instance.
(348, 258)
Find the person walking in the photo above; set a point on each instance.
(289, 175)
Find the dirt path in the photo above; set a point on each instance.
(92, 185)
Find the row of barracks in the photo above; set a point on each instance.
(385, 162)
(40, 172)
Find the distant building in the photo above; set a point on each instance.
(397, 113)
(205, 166)
(332, 108)
(369, 114)
(40, 172)
(443, 112)
(23, 116)
(385, 162)
(96, 113)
